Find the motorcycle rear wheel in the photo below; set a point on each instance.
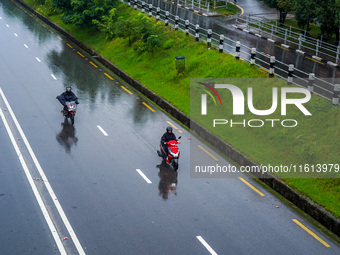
(72, 119)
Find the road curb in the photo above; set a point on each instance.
(305, 204)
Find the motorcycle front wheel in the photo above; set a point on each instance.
(175, 164)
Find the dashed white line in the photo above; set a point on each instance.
(206, 245)
(7, 25)
(26, 46)
(102, 130)
(38, 59)
(53, 76)
(144, 176)
(16, 34)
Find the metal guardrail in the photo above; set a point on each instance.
(224, 44)
(194, 4)
(201, 4)
(296, 39)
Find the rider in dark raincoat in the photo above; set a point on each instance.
(67, 96)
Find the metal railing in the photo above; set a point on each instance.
(240, 51)
(293, 37)
(194, 4)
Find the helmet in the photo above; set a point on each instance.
(68, 89)
(169, 129)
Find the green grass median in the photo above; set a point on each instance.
(316, 140)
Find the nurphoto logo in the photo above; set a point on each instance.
(286, 96)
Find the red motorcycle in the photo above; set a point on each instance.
(71, 110)
(172, 157)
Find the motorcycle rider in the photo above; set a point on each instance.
(67, 96)
(167, 136)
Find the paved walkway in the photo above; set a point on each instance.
(255, 7)
(247, 7)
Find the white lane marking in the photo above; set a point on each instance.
(38, 59)
(45, 180)
(15, 34)
(7, 25)
(34, 188)
(26, 46)
(206, 245)
(143, 175)
(102, 130)
(53, 76)
(0, 18)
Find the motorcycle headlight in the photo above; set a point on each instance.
(174, 154)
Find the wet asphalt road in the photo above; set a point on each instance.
(92, 167)
(256, 7)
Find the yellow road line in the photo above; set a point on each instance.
(93, 64)
(108, 76)
(174, 126)
(80, 54)
(282, 47)
(242, 11)
(264, 69)
(128, 91)
(315, 60)
(60, 38)
(69, 45)
(252, 187)
(311, 233)
(148, 107)
(199, 146)
(197, 14)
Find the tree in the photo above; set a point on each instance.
(147, 34)
(144, 27)
(328, 16)
(152, 43)
(284, 6)
(83, 12)
(126, 28)
(337, 13)
(270, 3)
(107, 23)
(63, 5)
(305, 12)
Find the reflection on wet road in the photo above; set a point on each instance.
(168, 180)
(67, 136)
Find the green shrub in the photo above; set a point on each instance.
(168, 44)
